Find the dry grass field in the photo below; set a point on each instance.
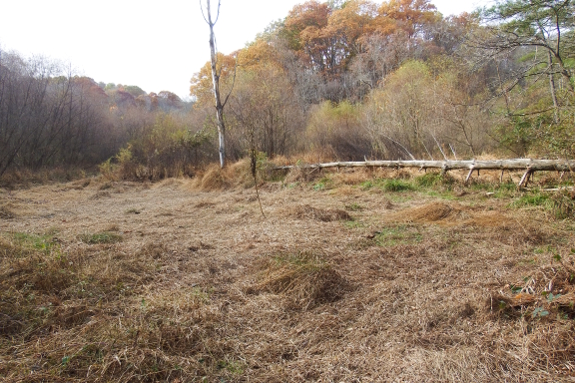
(351, 277)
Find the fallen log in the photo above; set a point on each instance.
(513, 164)
(529, 165)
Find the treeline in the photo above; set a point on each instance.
(51, 118)
(47, 118)
(397, 80)
(335, 80)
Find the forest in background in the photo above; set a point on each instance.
(343, 80)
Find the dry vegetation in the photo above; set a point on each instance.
(355, 277)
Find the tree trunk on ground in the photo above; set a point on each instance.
(512, 164)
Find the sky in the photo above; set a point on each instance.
(154, 45)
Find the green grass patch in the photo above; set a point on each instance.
(499, 190)
(43, 243)
(366, 185)
(434, 179)
(478, 185)
(353, 224)
(505, 190)
(398, 235)
(104, 237)
(388, 185)
(529, 200)
(394, 185)
(235, 368)
(507, 187)
(323, 184)
(560, 204)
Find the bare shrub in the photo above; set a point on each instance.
(336, 127)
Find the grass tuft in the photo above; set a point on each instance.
(304, 279)
(397, 185)
(433, 179)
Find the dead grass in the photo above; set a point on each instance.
(446, 214)
(103, 237)
(235, 175)
(324, 215)
(304, 279)
(431, 212)
(6, 213)
(434, 286)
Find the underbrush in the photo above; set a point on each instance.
(559, 203)
(25, 178)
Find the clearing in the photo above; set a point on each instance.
(350, 278)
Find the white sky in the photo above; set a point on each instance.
(154, 45)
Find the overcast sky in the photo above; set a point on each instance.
(154, 45)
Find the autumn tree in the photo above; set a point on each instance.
(201, 83)
(426, 110)
(304, 30)
(408, 15)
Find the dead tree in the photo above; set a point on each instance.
(207, 14)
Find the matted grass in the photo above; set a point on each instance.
(167, 282)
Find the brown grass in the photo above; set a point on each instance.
(235, 175)
(6, 212)
(202, 288)
(304, 279)
(324, 215)
(430, 212)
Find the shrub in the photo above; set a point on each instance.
(335, 127)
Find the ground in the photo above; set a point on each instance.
(350, 277)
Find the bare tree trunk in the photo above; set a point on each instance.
(216, 78)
